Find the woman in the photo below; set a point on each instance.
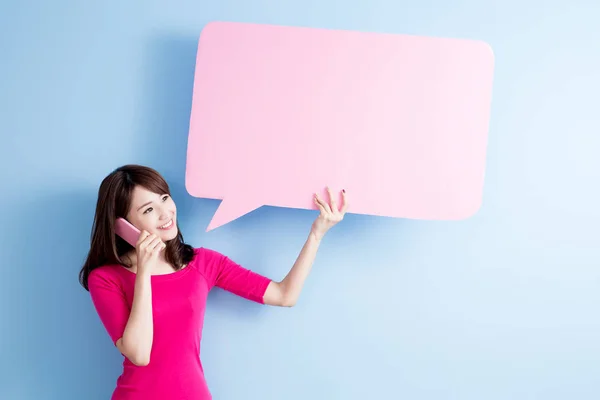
(151, 298)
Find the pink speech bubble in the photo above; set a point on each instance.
(398, 121)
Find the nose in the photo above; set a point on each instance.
(164, 213)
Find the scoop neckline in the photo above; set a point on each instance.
(162, 277)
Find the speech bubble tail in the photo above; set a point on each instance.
(229, 210)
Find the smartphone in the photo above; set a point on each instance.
(128, 232)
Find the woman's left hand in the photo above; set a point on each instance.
(330, 214)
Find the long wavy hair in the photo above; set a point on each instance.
(114, 200)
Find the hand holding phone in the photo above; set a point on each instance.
(148, 249)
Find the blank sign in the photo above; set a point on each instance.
(398, 121)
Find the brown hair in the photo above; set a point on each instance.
(114, 200)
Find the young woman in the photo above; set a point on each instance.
(151, 298)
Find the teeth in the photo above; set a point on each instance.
(168, 224)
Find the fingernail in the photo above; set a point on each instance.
(344, 190)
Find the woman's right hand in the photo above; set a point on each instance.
(148, 248)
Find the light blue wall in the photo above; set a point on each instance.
(501, 306)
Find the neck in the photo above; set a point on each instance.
(130, 258)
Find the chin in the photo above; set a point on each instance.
(170, 235)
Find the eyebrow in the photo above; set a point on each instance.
(144, 205)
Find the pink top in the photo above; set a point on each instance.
(178, 303)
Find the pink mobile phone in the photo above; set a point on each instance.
(127, 231)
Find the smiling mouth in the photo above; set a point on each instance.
(168, 225)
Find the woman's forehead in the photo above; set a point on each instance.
(141, 195)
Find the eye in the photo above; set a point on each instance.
(165, 197)
(147, 210)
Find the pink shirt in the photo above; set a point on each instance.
(178, 302)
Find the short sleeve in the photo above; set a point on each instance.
(110, 303)
(225, 273)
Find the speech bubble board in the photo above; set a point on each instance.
(280, 113)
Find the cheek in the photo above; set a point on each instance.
(147, 223)
(150, 226)
(171, 206)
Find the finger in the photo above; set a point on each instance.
(147, 241)
(332, 200)
(143, 235)
(319, 205)
(155, 244)
(344, 202)
(324, 204)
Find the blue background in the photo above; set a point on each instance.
(503, 305)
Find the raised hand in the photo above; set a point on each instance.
(330, 214)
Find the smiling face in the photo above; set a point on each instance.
(153, 212)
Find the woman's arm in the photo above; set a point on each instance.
(287, 292)
(131, 330)
(136, 342)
